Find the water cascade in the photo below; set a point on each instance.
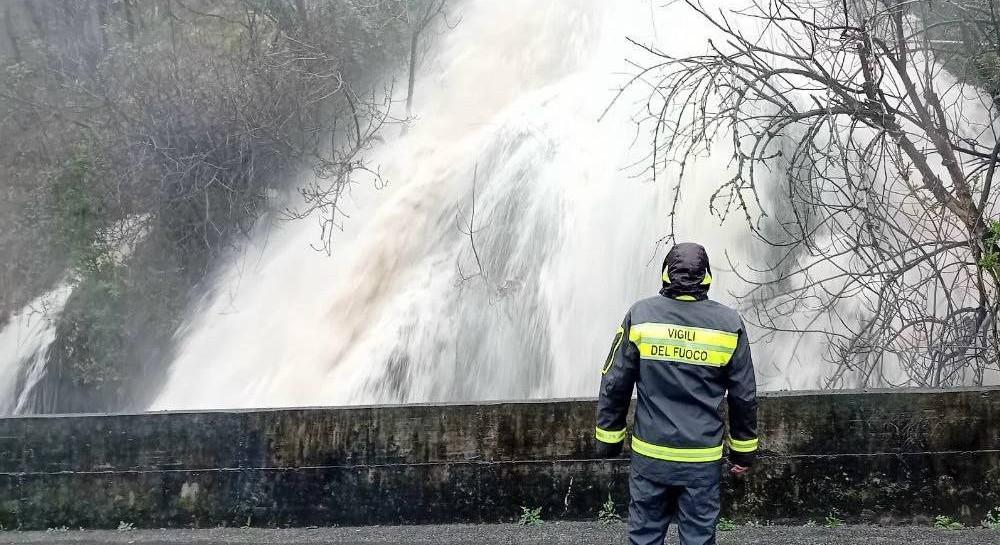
(24, 345)
(411, 307)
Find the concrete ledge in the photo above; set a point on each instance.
(866, 456)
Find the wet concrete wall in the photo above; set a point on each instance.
(876, 456)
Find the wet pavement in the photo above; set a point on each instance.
(577, 533)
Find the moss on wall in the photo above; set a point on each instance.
(860, 456)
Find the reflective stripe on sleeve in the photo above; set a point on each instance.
(674, 454)
(743, 445)
(612, 437)
(685, 344)
(614, 348)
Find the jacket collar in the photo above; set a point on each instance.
(676, 292)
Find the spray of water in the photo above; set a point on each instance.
(498, 261)
(412, 307)
(24, 345)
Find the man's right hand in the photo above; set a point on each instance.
(741, 462)
(609, 450)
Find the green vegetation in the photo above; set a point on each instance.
(144, 140)
(832, 521)
(726, 525)
(530, 516)
(992, 520)
(963, 38)
(986, 67)
(608, 514)
(78, 210)
(990, 258)
(944, 522)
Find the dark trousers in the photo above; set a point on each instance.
(654, 503)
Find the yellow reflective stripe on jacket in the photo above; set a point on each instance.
(695, 345)
(614, 348)
(674, 454)
(743, 445)
(722, 339)
(606, 436)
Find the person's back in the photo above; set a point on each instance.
(685, 354)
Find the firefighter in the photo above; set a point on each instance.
(685, 354)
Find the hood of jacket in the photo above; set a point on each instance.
(687, 274)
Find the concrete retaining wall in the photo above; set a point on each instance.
(876, 456)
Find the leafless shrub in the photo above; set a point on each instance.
(862, 163)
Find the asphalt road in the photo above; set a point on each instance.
(576, 533)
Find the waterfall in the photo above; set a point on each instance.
(24, 345)
(410, 307)
(517, 225)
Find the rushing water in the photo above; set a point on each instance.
(516, 229)
(24, 347)
(410, 307)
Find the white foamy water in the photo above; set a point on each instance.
(24, 346)
(565, 237)
(565, 234)
(403, 311)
